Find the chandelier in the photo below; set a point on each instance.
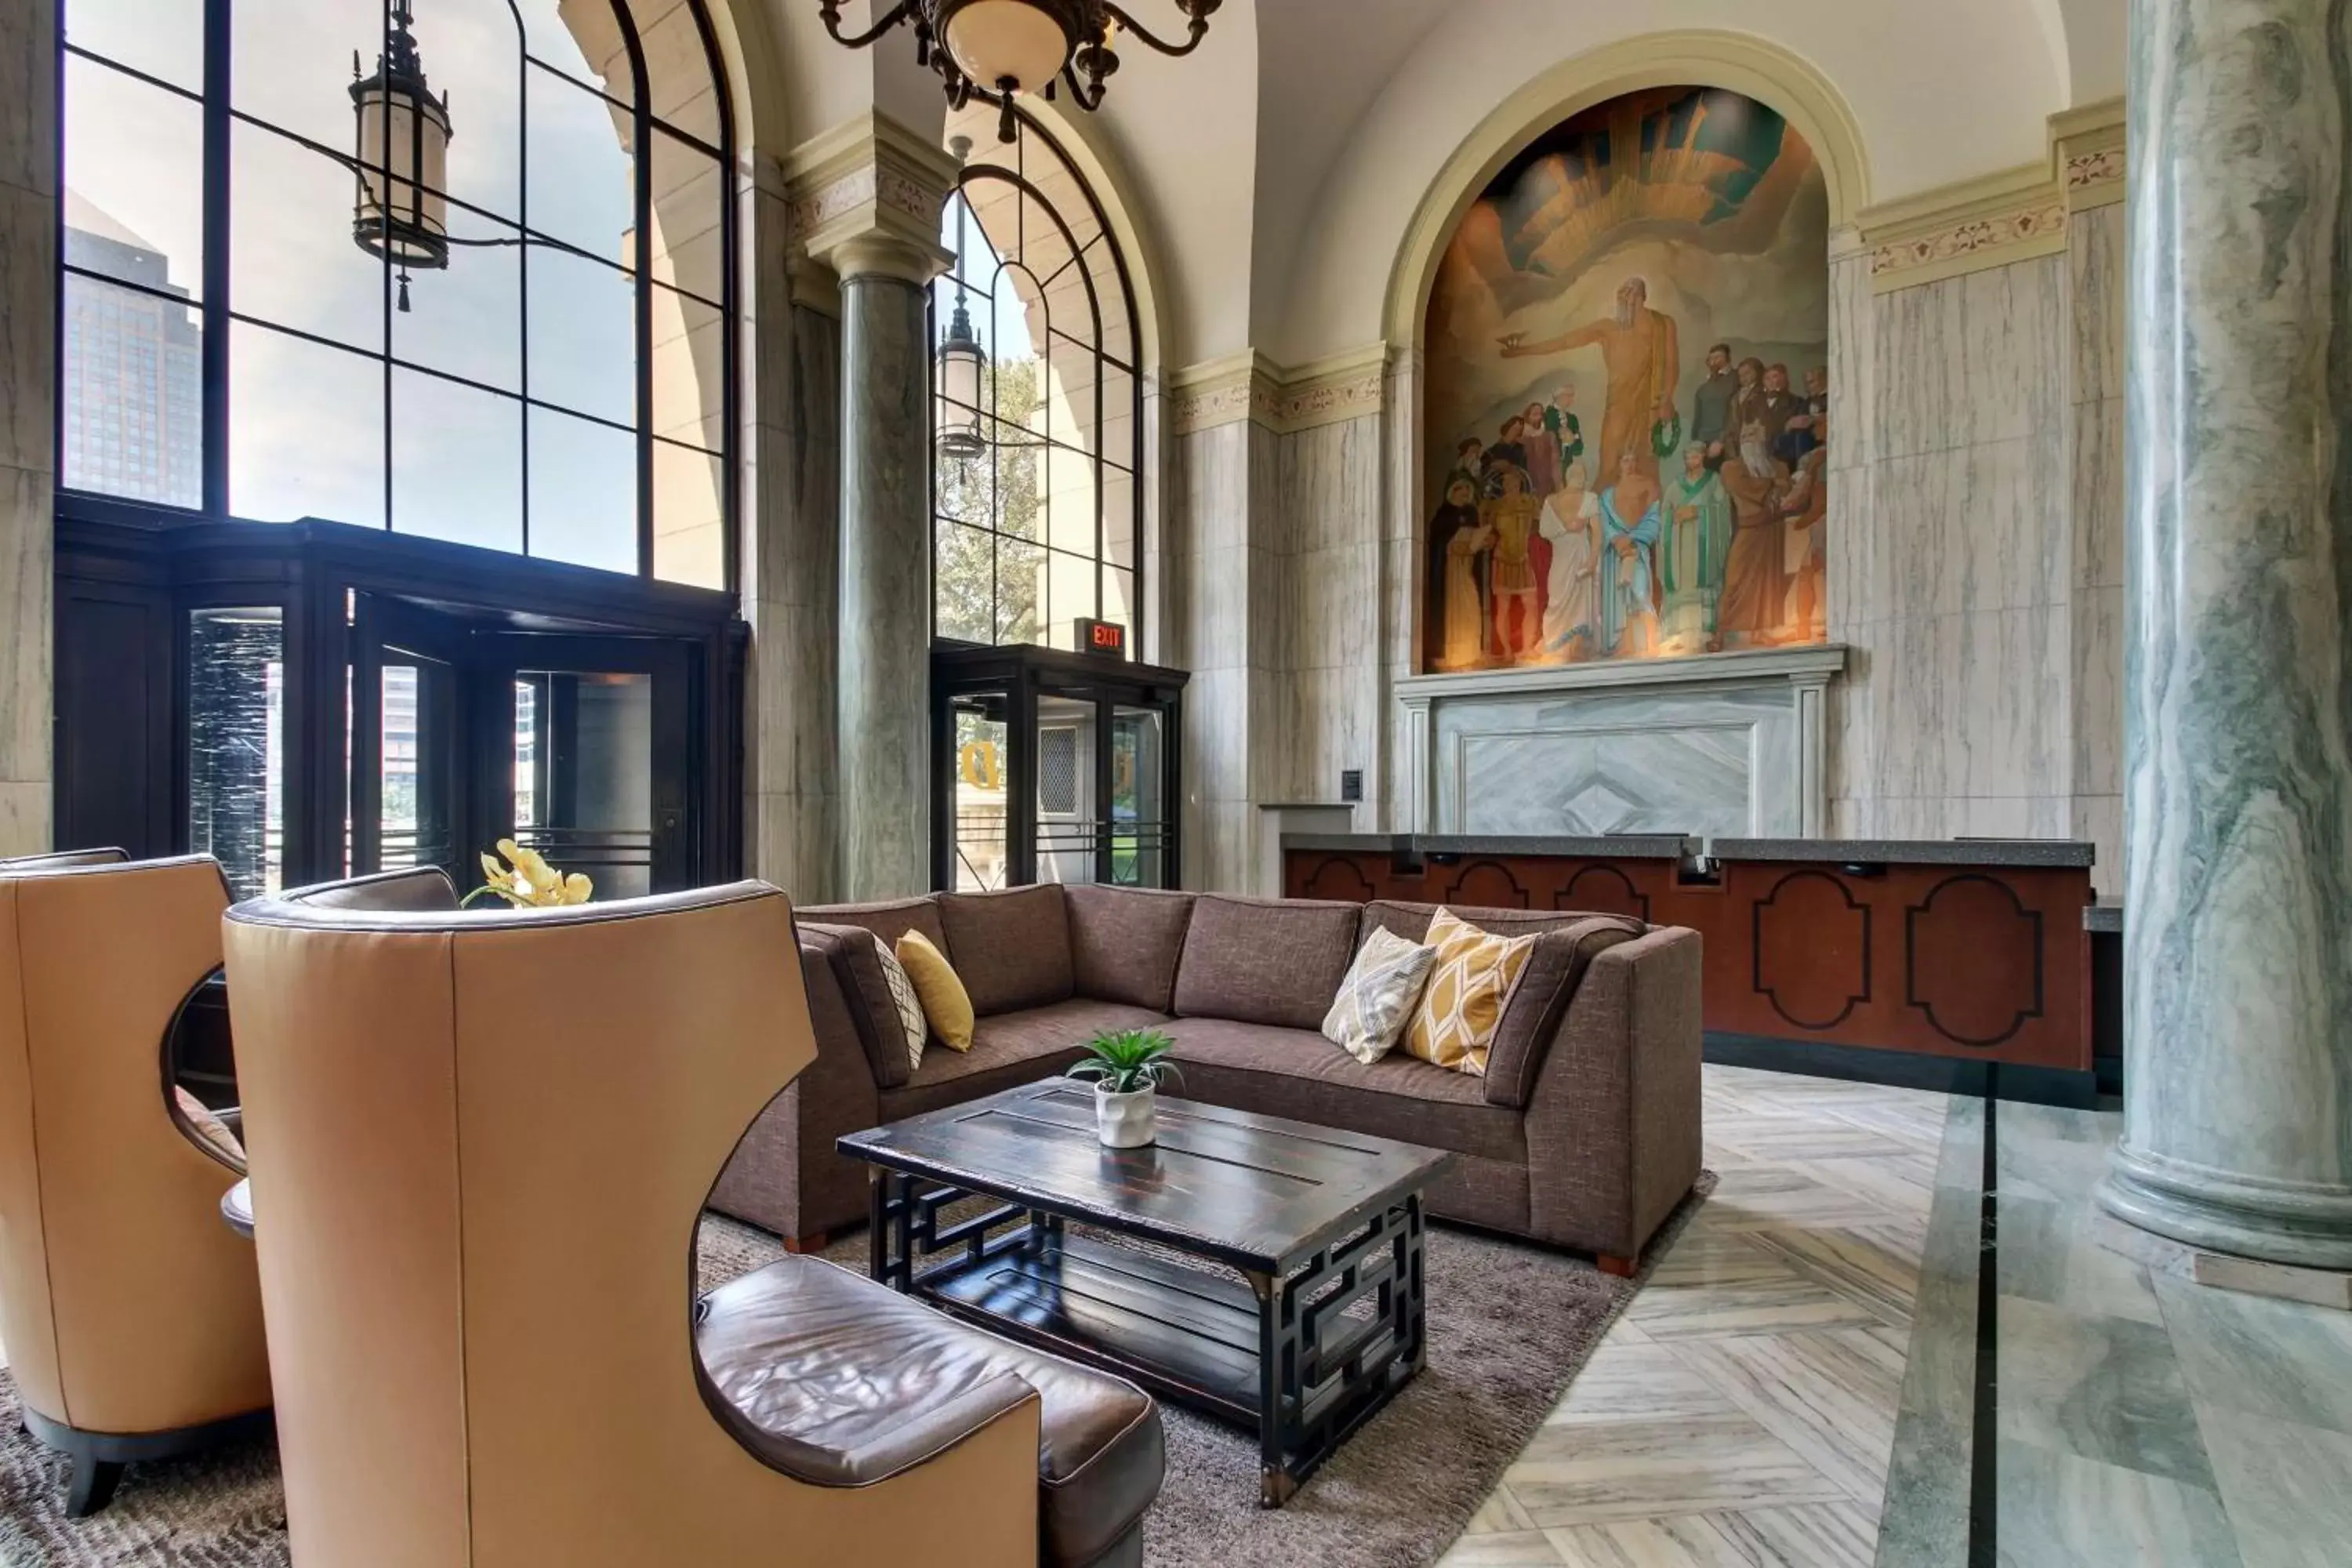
(401, 213)
(995, 50)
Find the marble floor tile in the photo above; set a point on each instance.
(1906, 1184)
(2281, 1359)
(1639, 1382)
(2288, 1488)
(2107, 1389)
(1516, 1548)
(1830, 1396)
(1749, 1197)
(1768, 1306)
(2060, 1511)
(1499, 1514)
(1880, 1274)
(1804, 1138)
(1637, 1469)
(1810, 1535)
(2050, 1254)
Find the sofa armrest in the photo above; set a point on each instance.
(784, 1175)
(1613, 1125)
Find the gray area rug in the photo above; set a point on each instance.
(1509, 1325)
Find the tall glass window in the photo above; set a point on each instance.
(1037, 421)
(458, 269)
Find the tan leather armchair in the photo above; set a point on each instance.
(131, 1314)
(480, 1146)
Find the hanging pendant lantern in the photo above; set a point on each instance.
(955, 407)
(401, 213)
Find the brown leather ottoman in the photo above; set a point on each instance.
(835, 1379)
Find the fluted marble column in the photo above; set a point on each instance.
(2237, 982)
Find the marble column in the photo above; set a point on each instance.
(885, 604)
(2238, 752)
(28, 347)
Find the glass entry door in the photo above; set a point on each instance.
(580, 747)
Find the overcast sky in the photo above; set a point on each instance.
(307, 421)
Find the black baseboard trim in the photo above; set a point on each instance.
(1907, 1069)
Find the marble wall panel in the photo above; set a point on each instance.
(1705, 761)
(1853, 364)
(1972, 359)
(1330, 485)
(2095, 240)
(28, 97)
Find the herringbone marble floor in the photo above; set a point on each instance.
(1742, 1410)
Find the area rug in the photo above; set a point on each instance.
(1508, 1327)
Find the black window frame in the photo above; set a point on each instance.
(216, 309)
(983, 169)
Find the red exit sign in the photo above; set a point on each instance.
(1102, 637)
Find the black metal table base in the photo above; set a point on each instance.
(1303, 1355)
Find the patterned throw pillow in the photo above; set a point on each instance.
(1461, 1007)
(1376, 998)
(910, 1005)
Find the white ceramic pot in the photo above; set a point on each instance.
(1125, 1120)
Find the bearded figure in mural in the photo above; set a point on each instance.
(1642, 350)
(1754, 579)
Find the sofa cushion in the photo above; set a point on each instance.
(889, 919)
(1013, 1048)
(1013, 948)
(1125, 942)
(834, 1378)
(1295, 1073)
(853, 955)
(1540, 1002)
(1264, 961)
(1411, 921)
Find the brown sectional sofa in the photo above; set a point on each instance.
(1584, 1134)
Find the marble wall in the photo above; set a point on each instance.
(1329, 490)
(1973, 550)
(29, 217)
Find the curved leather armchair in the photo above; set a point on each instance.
(480, 1145)
(131, 1315)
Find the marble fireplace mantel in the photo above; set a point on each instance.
(1730, 744)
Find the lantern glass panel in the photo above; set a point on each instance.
(403, 175)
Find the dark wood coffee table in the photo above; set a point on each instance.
(1314, 1222)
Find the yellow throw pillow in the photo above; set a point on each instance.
(945, 1002)
(1462, 1005)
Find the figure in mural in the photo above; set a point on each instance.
(1711, 405)
(1803, 557)
(1688, 516)
(1560, 418)
(1459, 610)
(1641, 349)
(1698, 539)
(1515, 594)
(1629, 536)
(1754, 578)
(1571, 526)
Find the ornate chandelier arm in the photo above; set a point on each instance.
(1198, 10)
(830, 10)
(1088, 98)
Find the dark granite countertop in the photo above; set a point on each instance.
(2058, 852)
(1624, 846)
(2105, 916)
(1908, 851)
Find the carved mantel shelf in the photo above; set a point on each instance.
(1726, 743)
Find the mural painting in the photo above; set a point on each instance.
(1628, 398)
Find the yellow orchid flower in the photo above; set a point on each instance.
(527, 881)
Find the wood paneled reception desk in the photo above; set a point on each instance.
(1967, 949)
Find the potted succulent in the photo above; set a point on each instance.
(1128, 1067)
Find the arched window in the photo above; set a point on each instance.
(228, 348)
(1036, 454)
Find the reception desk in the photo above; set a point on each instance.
(1972, 950)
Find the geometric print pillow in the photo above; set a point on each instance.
(1377, 997)
(910, 1005)
(1461, 1007)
